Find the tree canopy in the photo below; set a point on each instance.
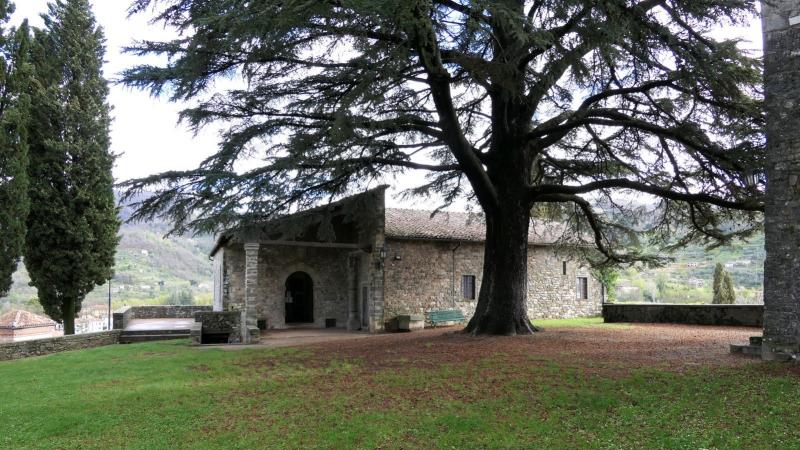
(511, 103)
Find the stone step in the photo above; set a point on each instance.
(130, 339)
(746, 349)
(154, 332)
(756, 340)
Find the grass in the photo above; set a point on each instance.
(579, 322)
(168, 395)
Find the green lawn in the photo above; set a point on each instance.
(579, 322)
(169, 395)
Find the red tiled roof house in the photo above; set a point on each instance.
(19, 325)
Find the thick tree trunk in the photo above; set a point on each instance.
(501, 308)
(68, 316)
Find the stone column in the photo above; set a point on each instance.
(781, 23)
(249, 320)
(353, 322)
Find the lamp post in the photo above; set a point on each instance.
(109, 304)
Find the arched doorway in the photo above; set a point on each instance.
(299, 298)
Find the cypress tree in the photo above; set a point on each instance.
(729, 293)
(724, 293)
(14, 110)
(717, 286)
(72, 224)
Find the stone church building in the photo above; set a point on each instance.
(357, 264)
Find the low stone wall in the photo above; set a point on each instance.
(218, 322)
(39, 347)
(123, 316)
(737, 315)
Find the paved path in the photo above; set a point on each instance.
(299, 336)
(159, 324)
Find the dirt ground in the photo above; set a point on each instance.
(672, 347)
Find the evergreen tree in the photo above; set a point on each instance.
(181, 297)
(510, 103)
(608, 277)
(729, 292)
(72, 224)
(14, 111)
(724, 293)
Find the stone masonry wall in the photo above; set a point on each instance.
(781, 24)
(422, 276)
(220, 322)
(735, 315)
(326, 266)
(553, 295)
(124, 315)
(47, 346)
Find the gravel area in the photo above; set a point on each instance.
(672, 347)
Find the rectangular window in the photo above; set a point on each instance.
(468, 287)
(583, 288)
(563, 267)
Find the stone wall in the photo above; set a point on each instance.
(124, 315)
(47, 346)
(553, 294)
(216, 322)
(421, 276)
(739, 315)
(781, 25)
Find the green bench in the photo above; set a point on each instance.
(449, 315)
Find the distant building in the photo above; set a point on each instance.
(742, 262)
(696, 282)
(18, 325)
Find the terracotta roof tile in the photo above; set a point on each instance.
(418, 224)
(16, 319)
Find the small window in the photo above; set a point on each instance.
(468, 286)
(583, 288)
(563, 267)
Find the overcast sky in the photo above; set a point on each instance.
(145, 131)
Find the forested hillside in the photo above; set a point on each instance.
(689, 278)
(149, 269)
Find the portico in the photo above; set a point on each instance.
(317, 270)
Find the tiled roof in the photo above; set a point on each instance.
(16, 319)
(456, 226)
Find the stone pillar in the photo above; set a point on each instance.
(249, 319)
(353, 322)
(781, 24)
